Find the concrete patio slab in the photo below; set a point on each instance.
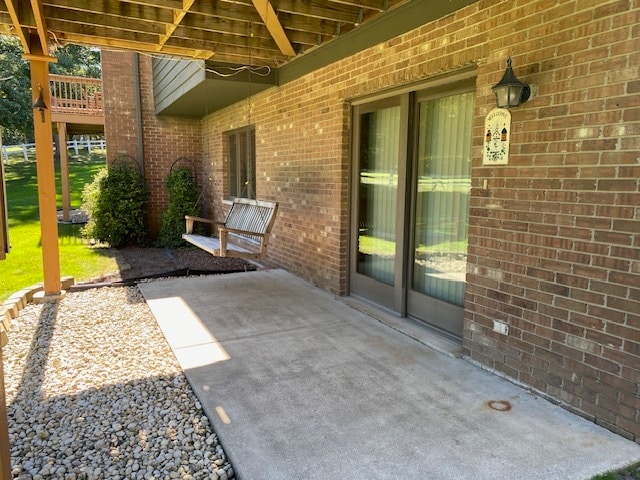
(299, 385)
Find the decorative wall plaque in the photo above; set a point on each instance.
(497, 127)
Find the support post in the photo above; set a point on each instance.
(45, 171)
(64, 171)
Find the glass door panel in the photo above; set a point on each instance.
(441, 209)
(442, 200)
(378, 238)
(378, 193)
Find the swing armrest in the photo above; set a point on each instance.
(191, 220)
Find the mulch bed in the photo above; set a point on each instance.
(138, 263)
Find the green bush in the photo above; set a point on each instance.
(116, 203)
(183, 200)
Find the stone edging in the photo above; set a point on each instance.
(20, 299)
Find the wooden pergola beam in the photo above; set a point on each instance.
(270, 19)
(12, 7)
(139, 46)
(41, 25)
(178, 16)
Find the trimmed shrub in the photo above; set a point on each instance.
(183, 200)
(116, 203)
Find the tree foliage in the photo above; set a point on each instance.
(77, 61)
(16, 114)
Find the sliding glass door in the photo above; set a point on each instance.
(410, 206)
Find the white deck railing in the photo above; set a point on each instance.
(30, 148)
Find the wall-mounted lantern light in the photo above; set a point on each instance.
(510, 92)
(39, 103)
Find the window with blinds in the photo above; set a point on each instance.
(241, 165)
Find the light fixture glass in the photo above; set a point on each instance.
(510, 92)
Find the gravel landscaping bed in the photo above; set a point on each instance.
(94, 392)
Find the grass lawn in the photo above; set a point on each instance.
(631, 473)
(378, 246)
(23, 265)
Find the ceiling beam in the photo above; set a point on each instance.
(178, 15)
(12, 7)
(184, 42)
(270, 19)
(172, 4)
(222, 39)
(145, 13)
(135, 45)
(41, 24)
(106, 20)
(322, 10)
(377, 5)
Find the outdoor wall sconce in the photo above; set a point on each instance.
(510, 92)
(39, 103)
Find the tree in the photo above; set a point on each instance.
(77, 61)
(16, 114)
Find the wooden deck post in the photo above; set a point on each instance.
(39, 63)
(64, 170)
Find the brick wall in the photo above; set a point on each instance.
(554, 238)
(300, 163)
(119, 104)
(165, 140)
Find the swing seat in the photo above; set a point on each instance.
(244, 233)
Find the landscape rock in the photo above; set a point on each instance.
(94, 392)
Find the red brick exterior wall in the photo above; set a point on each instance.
(165, 140)
(554, 238)
(301, 163)
(120, 104)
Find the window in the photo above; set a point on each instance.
(241, 154)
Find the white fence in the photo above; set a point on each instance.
(75, 145)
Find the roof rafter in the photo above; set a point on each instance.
(41, 24)
(321, 10)
(137, 45)
(178, 15)
(270, 19)
(23, 35)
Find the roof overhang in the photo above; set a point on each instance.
(224, 90)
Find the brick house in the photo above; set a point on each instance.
(377, 162)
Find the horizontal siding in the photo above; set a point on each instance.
(172, 79)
